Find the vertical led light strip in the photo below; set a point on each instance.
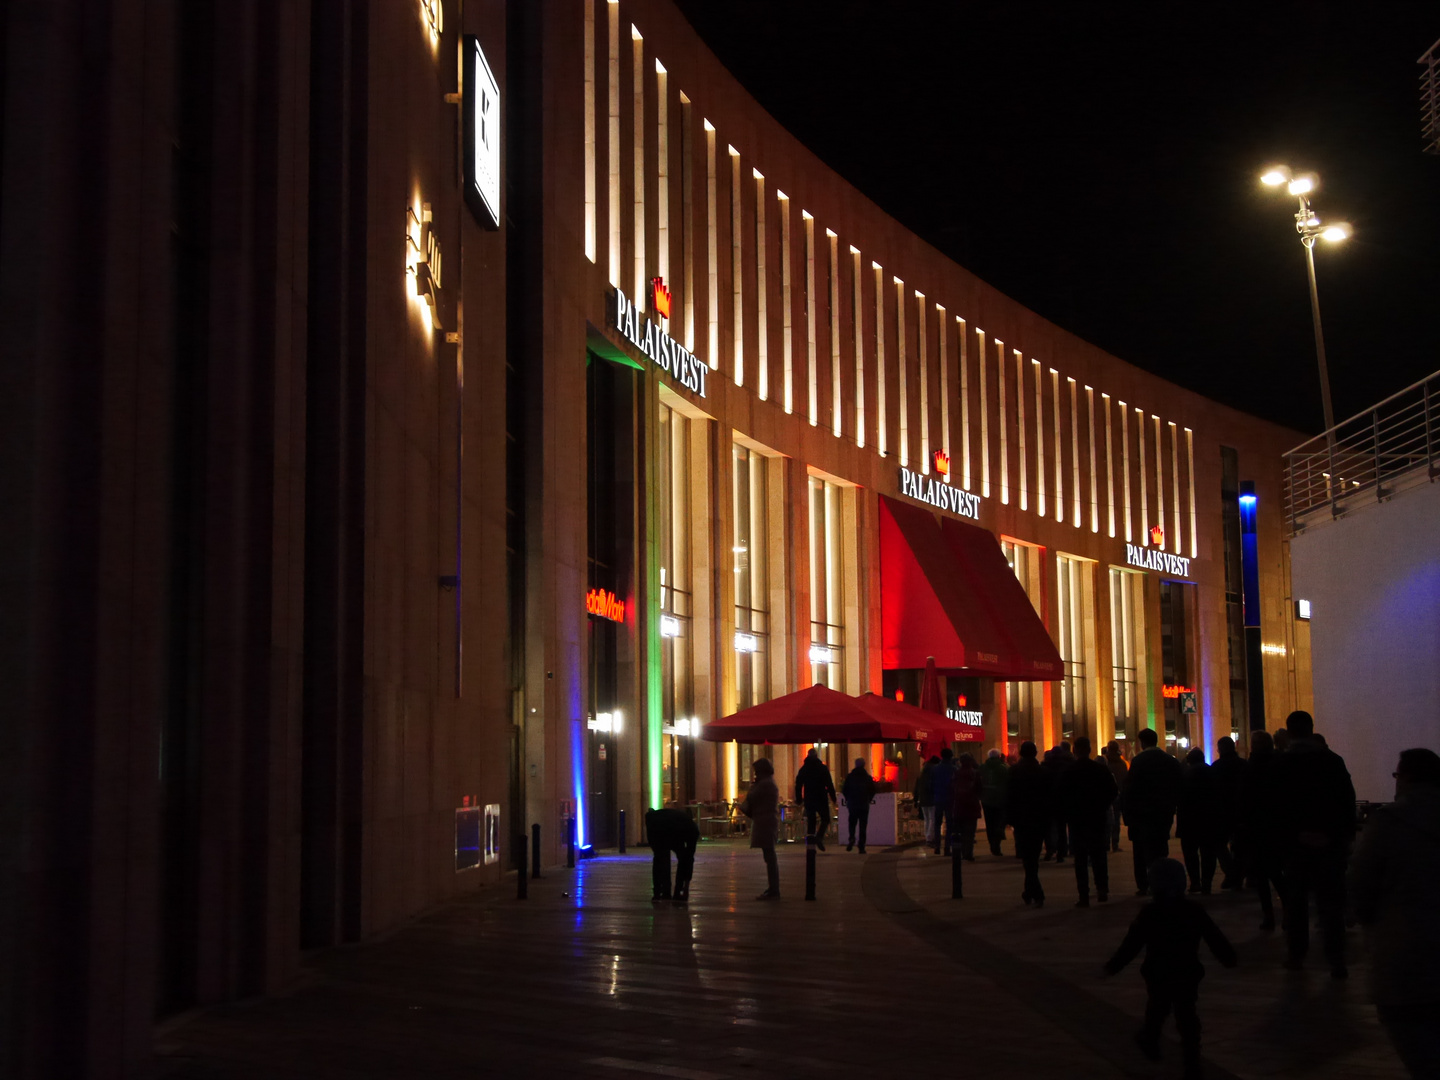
(901, 360)
(1109, 463)
(662, 191)
(1020, 428)
(833, 268)
(712, 249)
(1039, 438)
(762, 316)
(812, 361)
(1000, 412)
(1140, 458)
(687, 213)
(942, 333)
(1059, 449)
(1124, 414)
(984, 417)
(924, 383)
(1077, 494)
(737, 266)
(613, 71)
(637, 56)
(859, 329)
(1175, 487)
(963, 337)
(1194, 521)
(1094, 475)
(591, 180)
(787, 305)
(881, 442)
(1159, 481)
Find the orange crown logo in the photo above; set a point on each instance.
(661, 297)
(942, 462)
(1157, 536)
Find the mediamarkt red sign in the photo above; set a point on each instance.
(605, 604)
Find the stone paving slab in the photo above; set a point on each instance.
(881, 976)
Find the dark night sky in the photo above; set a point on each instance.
(1098, 163)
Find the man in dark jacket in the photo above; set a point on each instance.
(816, 790)
(1317, 806)
(1152, 787)
(1228, 773)
(1394, 883)
(942, 782)
(1030, 810)
(1056, 762)
(994, 793)
(1258, 840)
(671, 830)
(1087, 791)
(858, 789)
(1197, 822)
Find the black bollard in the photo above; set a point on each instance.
(956, 866)
(522, 885)
(622, 832)
(535, 851)
(570, 843)
(810, 867)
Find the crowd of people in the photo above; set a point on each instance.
(1282, 820)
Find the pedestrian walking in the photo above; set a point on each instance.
(994, 789)
(1258, 839)
(1152, 788)
(671, 830)
(762, 807)
(1228, 774)
(1087, 792)
(965, 805)
(816, 790)
(1317, 801)
(1030, 811)
(1170, 929)
(859, 790)
(1196, 820)
(1394, 884)
(942, 783)
(1118, 768)
(1057, 838)
(925, 796)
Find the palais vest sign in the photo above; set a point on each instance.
(662, 350)
(1154, 559)
(939, 494)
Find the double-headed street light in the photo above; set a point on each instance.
(1310, 228)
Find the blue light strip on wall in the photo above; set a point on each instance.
(1249, 554)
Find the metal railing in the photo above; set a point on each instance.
(1366, 459)
(1430, 99)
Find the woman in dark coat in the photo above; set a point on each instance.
(1259, 829)
(1197, 821)
(762, 807)
(965, 804)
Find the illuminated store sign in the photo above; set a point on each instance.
(938, 493)
(746, 642)
(664, 351)
(942, 463)
(1173, 690)
(971, 718)
(659, 297)
(1163, 561)
(1157, 536)
(606, 604)
(482, 136)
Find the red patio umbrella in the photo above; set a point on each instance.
(932, 701)
(818, 714)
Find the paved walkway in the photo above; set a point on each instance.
(882, 976)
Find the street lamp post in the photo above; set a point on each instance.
(1310, 228)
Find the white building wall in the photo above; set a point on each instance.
(1373, 579)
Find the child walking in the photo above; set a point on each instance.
(1169, 929)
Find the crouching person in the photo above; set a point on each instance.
(672, 830)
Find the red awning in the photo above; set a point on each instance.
(819, 714)
(947, 592)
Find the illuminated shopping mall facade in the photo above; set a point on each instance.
(455, 409)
